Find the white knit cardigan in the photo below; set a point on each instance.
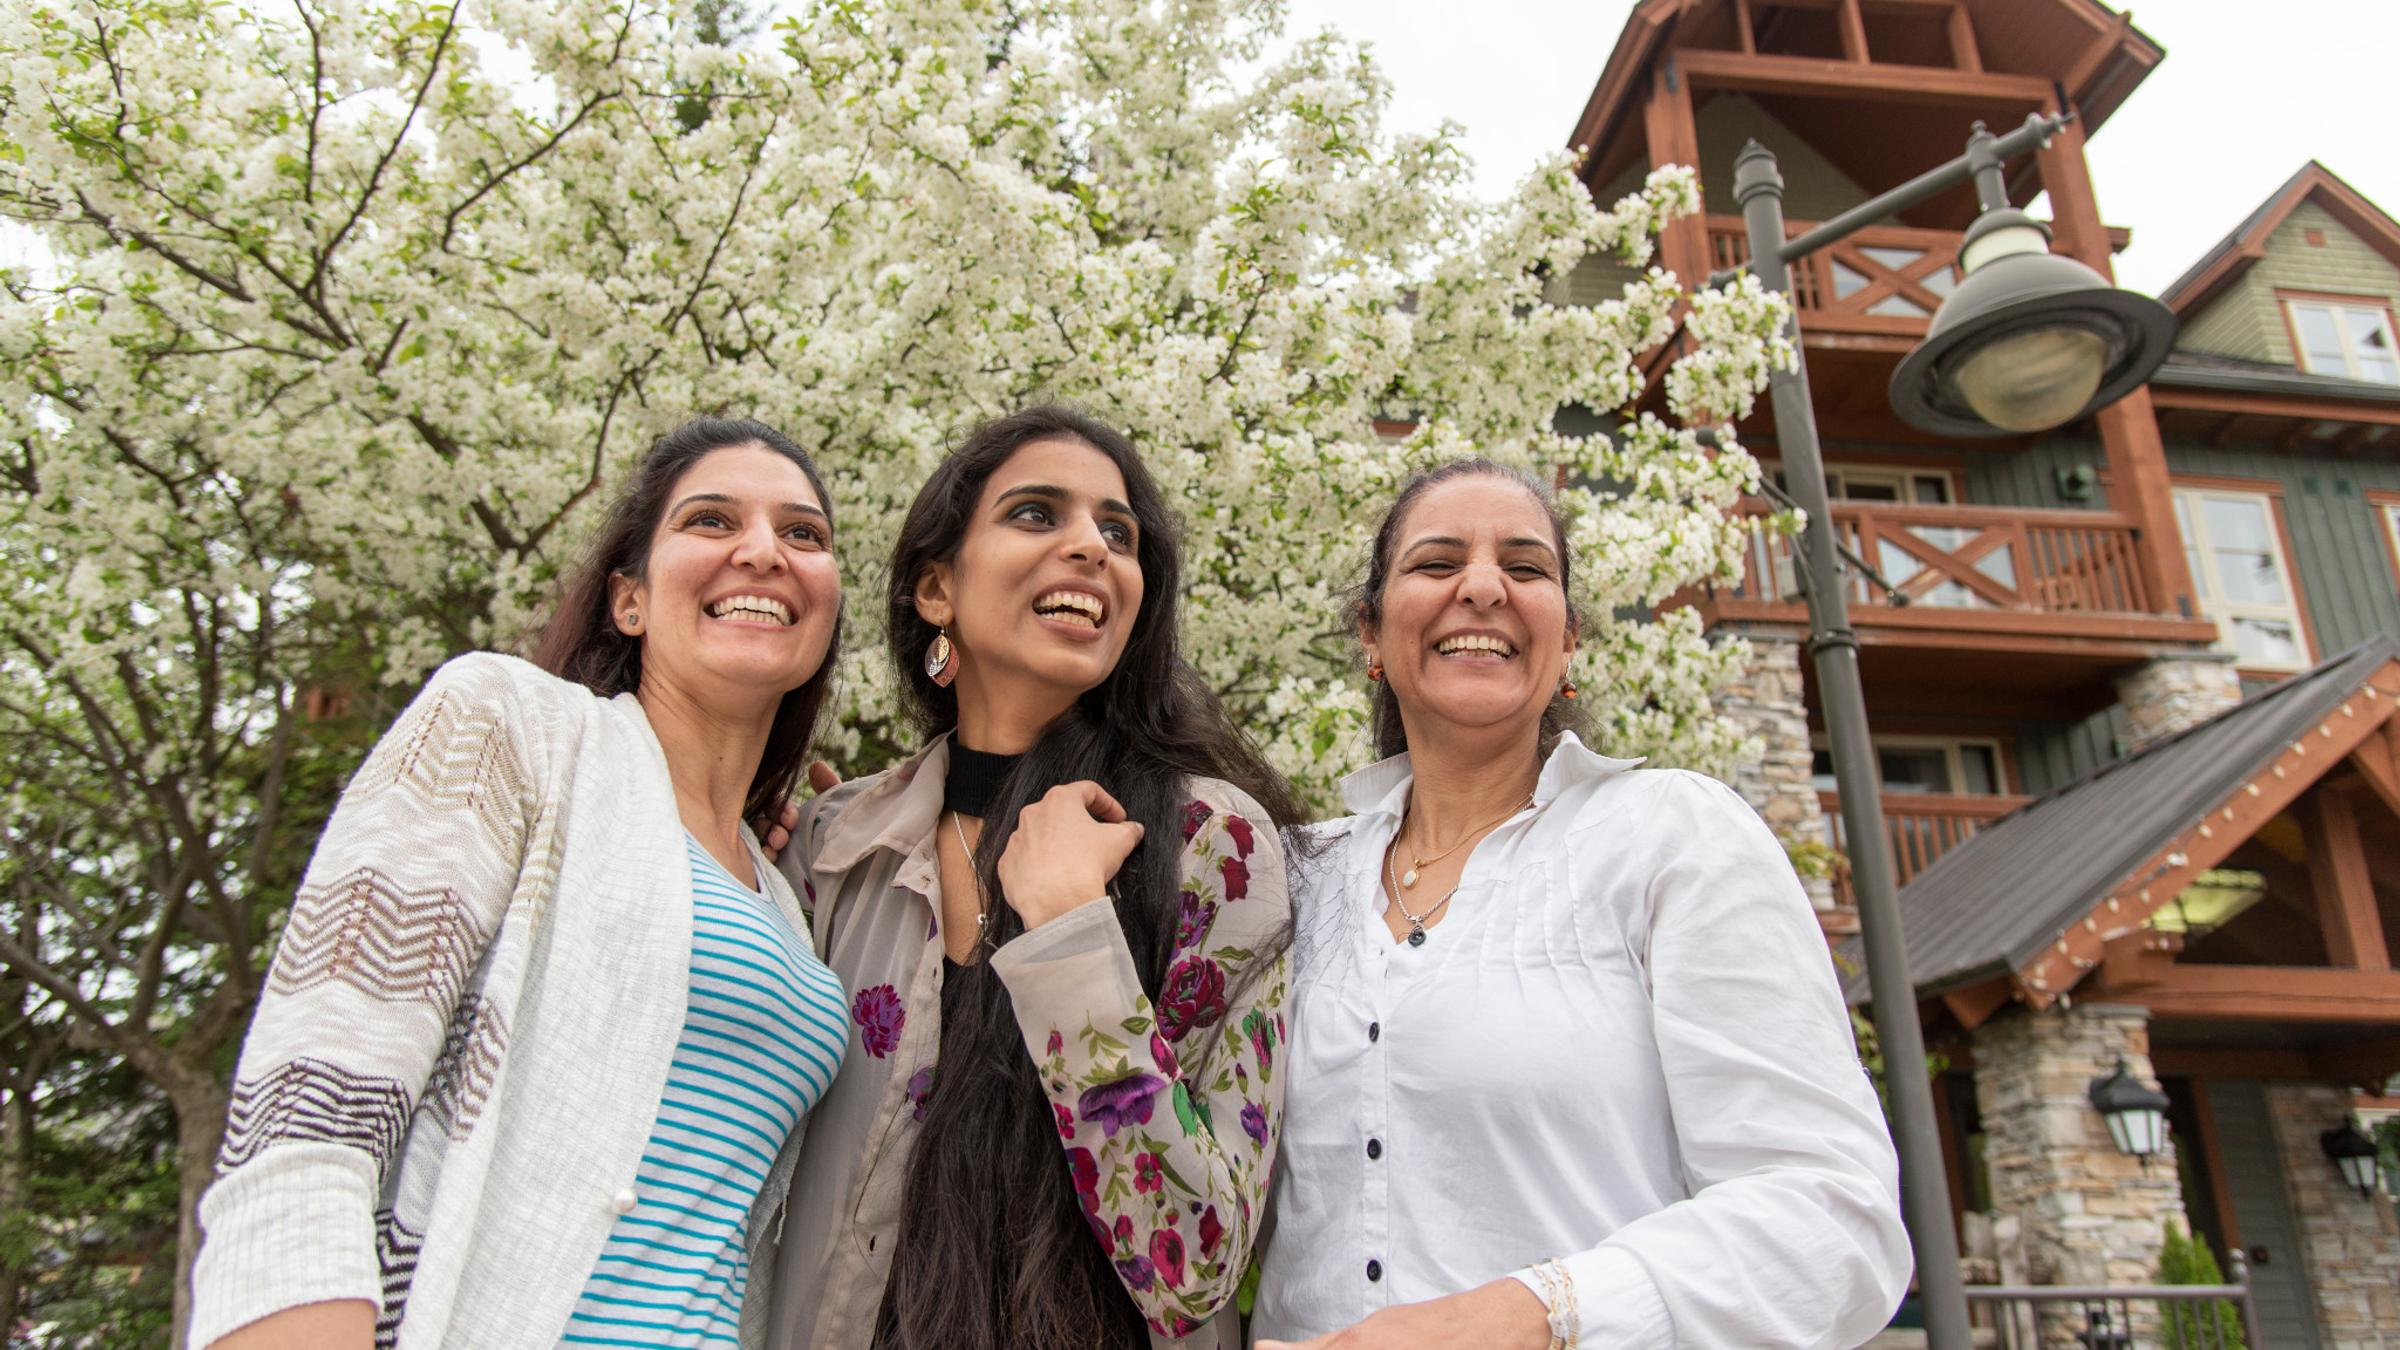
(458, 1056)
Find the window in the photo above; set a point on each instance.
(2352, 340)
(1926, 764)
(2235, 551)
(1856, 483)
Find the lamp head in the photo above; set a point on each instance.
(2028, 341)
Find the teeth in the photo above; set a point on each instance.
(760, 605)
(1073, 606)
(1474, 643)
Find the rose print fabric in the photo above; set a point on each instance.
(1167, 1114)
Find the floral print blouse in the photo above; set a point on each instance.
(1167, 1114)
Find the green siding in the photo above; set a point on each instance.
(2346, 580)
(2247, 320)
(1725, 124)
(2029, 477)
(1813, 188)
(1600, 276)
(2051, 755)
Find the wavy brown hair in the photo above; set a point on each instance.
(583, 643)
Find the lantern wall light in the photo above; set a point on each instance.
(2349, 1149)
(2136, 1113)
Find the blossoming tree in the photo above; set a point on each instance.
(350, 313)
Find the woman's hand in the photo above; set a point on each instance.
(1502, 1315)
(1067, 848)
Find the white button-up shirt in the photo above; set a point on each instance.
(1622, 1048)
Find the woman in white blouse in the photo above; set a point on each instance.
(1568, 1061)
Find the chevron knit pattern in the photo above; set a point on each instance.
(364, 929)
(452, 756)
(462, 1077)
(396, 1250)
(450, 941)
(313, 1101)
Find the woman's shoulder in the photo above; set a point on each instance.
(487, 697)
(1213, 801)
(1666, 798)
(501, 683)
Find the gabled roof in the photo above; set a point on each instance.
(2235, 374)
(2247, 244)
(2090, 48)
(2001, 902)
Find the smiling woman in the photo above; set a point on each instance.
(1064, 920)
(532, 1061)
(1592, 1001)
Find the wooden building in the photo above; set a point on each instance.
(2132, 681)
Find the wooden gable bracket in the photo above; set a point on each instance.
(2377, 760)
(2337, 870)
(1975, 1004)
(2363, 717)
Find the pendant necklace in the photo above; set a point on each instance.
(1408, 879)
(1401, 884)
(1416, 922)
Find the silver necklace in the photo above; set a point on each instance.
(1416, 922)
(983, 905)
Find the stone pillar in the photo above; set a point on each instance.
(2088, 1214)
(1765, 701)
(2166, 696)
(2349, 1245)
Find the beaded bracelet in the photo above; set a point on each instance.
(1558, 1292)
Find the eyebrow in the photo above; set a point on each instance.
(1048, 492)
(798, 508)
(1453, 541)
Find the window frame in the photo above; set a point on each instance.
(2185, 491)
(2386, 506)
(1952, 760)
(2378, 306)
(1903, 477)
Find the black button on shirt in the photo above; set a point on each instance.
(1374, 1270)
(1374, 1148)
(1374, 1031)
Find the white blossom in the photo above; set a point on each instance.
(352, 331)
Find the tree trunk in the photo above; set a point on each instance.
(200, 1103)
(16, 1174)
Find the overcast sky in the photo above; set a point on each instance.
(2249, 91)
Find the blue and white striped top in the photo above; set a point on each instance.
(763, 1034)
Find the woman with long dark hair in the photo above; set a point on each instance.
(1569, 1063)
(1063, 924)
(530, 1065)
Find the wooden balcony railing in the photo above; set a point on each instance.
(1883, 279)
(1967, 557)
(1922, 827)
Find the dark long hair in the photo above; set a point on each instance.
(1391, 738)
(993, 1251)
(583, 643)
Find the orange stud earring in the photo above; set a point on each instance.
(1567, 690)
(1375, 672)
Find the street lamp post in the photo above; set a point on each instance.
(2038, 341)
